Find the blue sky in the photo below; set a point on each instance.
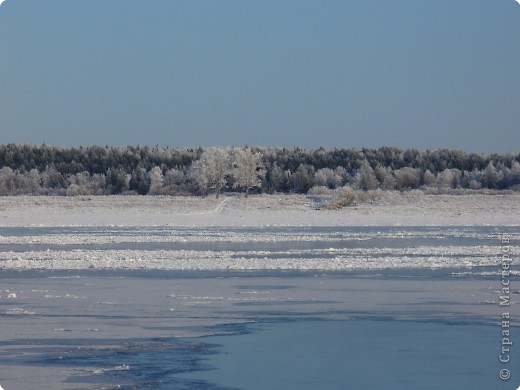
(333, 73)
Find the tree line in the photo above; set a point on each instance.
(96, 170)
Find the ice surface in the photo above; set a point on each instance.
(50, 337)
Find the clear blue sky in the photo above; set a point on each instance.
(333, 73)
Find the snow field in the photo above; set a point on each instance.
(412, 208)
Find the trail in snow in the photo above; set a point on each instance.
(220, 208)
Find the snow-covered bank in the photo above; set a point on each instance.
(277, 232)
(394, 209)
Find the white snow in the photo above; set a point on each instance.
(216, 223)
(394, 209)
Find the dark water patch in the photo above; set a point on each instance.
(359, 354)
(133, 364)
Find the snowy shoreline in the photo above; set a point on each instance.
(276, 232)
(394, 209)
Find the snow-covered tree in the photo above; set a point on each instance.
(248, 169)
(275, 179)
(98, 184)
(7, 181)
(174, 177)
(429, 178)
(344, 175)
(385, 177)
(514, 174)
(175, 182)
(449, 178)
(328, 178)
(303, 178)
(83, 183)
(117, 181)
(139, 181)
(210, 171)
(407, 178)
(365, 179)
(80, 179)
(509, 177)
(490, 176)
(155, 178)
(33, 181)
(52, 179)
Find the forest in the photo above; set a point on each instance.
(98, 170)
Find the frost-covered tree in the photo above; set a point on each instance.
(449, 178)
(7, 181)
(407, 178)
(52, 179)
(344, 175)
(174, 177)
(275, 179)
(490, 176)
(197, 175)
(80, 179)
(514, 174)
(429, 178)
(155, 177)
(175, 182)
(510, 177)
(248, 169)
(117, 181)
(321, 178)
(98, 184)
(33, 181)
(365, 179)
(385, 177)
(303, 178)
(210, 171)
(328, 178)
(139, 181)
(51, 170)
(83, 183)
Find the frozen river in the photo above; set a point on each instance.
(292, 308)
(261, 248)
